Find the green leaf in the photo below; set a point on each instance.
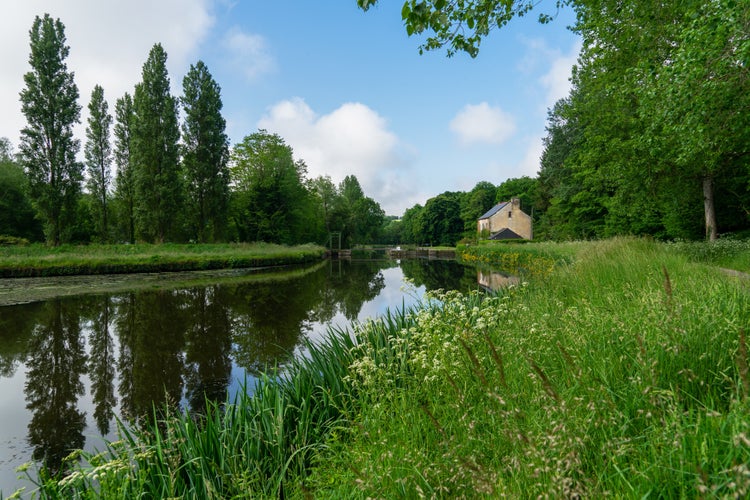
(405, 11)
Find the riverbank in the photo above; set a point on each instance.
(623, 371)
(14, 291)
(68, 260)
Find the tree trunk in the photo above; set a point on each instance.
(709, 209)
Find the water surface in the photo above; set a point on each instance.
(73, 361)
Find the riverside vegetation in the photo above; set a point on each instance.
(38, 260)
(621, 371)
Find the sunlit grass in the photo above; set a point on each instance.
(623, 374)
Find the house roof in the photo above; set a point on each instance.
(492, 211)
(506, 234)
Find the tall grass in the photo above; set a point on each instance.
(623, 373)
(248, 448)
(532, 260)
(726, 252)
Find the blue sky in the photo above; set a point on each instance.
(347, 90)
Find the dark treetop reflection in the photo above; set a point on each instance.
(97, 356)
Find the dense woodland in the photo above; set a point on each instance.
(654, 139)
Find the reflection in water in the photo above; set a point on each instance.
(102, 365)
(494, 280)
(16, 324)
(179, 346)
(155, 341)
(208, 345)
(55, 365)
(434, 274)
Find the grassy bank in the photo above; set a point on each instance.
(66, 260)
(624, 373)
(530, 260)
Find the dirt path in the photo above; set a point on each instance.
(736, 274)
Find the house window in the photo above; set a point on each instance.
(510, 214)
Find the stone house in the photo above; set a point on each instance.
(506, 221)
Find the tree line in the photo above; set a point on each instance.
(654, 138)
(149, 177)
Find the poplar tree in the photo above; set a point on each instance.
(125, 179)
(48, 150)
(99, 159)
(205, 154)
(155, 152)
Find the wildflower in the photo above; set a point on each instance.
(24, 467)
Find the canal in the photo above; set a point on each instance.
(78, 353)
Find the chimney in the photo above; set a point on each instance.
(516, 203)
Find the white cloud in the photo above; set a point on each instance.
(482, 123)
(352, 139)
(109, 42)
(556, 81)
(531, 161)
(248, 52)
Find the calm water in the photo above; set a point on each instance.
(69, 365)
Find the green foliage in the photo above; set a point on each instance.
(324, 194)
(98, 160)
(205, 154)
(475, 203)
(48, 149)
(725, 252)
(155, 152)
(391, 233)
(410, 225)
(440, 222)
(529, 261)
(16, 212)
(270, 196)
(523, 188)
(125, 195)
(460, 26)
(12, 241)
(653, 138)
(358, 217)
(650, 138)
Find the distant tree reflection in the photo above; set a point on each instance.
(435, 274)
(53, 383)
(16, 325)
(208, 346)
(151, 329)
(179, 346)
(102, 362)
(270, 319)
(125, 328)
(346, 286)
